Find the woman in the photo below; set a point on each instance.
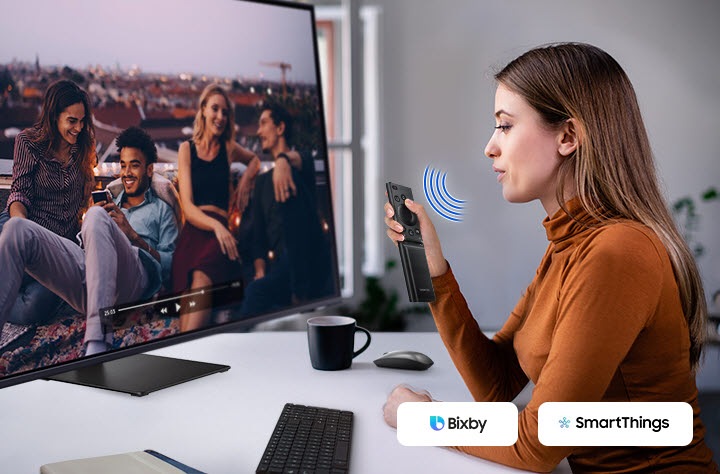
(207, 252)
(52, 180)
(616, 311)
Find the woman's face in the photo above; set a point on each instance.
(215, 113)
(71, 122)
(524, 151)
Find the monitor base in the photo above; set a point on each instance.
(139, 374)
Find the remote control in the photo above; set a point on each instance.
(412, 250)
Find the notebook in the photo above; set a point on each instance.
(139, 462)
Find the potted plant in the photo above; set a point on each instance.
(686, 214)
(687, 217)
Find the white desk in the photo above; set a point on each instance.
(221, 423)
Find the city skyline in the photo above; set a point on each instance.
(218, 38)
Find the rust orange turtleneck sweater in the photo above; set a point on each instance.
(601, 321)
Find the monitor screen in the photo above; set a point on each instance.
(163, 176)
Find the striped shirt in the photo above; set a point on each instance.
(51, 192)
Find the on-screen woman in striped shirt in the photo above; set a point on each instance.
(53, 162)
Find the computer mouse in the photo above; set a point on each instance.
(408, 360)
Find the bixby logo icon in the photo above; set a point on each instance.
(437, 423)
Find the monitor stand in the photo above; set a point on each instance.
(139, 374)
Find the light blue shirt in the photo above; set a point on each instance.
(154, 221)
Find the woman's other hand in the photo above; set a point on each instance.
(228, 244)
(433, 251)
(399, 395)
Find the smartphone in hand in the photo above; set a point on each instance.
(100, 196)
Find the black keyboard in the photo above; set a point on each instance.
(309, 440)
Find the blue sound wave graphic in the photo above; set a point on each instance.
(438, 196)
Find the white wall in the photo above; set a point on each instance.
(437, 104)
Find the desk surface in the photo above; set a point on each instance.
(221, 423)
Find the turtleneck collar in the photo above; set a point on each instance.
(562, 227)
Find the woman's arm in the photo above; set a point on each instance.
(22, 190)
(489, 367)
(247, 181)
(18, 209)
(607, 298)
(242, 155)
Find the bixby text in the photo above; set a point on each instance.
(468, 424)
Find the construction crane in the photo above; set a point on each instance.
(284, 67)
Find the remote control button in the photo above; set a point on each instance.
(397, 198)
(410, 232)
(407, 216)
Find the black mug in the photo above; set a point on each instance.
(331, 340)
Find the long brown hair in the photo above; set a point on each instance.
(228, 134)
(612, 169)
(60, 95)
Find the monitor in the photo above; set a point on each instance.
(146, 64)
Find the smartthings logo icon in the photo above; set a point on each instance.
(437, 423)
(564, 423)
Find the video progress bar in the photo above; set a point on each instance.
(189, 301)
